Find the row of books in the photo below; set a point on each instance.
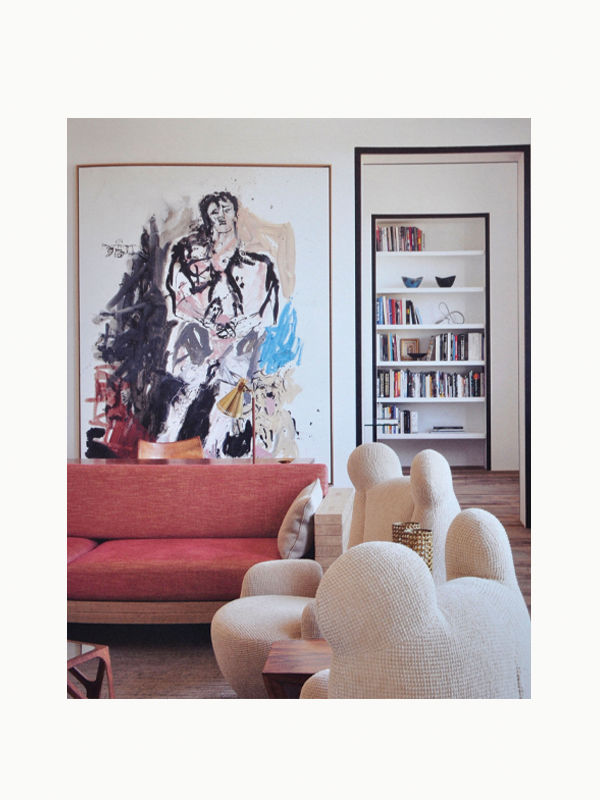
(467, 346)
(389, 347)
(464, 346)
(398, 238)
(433, 384)
(395, 311)
(401, 419)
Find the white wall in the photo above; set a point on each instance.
(285, 141)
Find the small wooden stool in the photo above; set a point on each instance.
(88, 652)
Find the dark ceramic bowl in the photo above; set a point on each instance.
(417, 356)
(446, 281)
(411, 283)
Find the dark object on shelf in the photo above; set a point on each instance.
(416, 356)
(412, 283)
(446, 281)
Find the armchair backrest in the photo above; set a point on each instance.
(383, 496)
(435, 504)
(369, 465)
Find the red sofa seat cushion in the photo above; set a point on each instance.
(131, 500)
(77, 546)
(166, 569)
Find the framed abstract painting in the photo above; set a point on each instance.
(192, 276)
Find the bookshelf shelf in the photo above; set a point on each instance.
(432, 290)
(433, 327)
(450, 324)
(430, 364)
(439, 436)
(435, 400)
(428, 253)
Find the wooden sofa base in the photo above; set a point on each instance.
(141, 613)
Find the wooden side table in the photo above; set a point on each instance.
(291, 662)
(93, 687)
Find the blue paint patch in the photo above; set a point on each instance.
(281, 345)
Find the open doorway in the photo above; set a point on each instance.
(491, 180)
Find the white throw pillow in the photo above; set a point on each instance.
(296, 534)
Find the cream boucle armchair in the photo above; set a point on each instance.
(277, 597)
(396, 634)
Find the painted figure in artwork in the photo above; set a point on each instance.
(223, 298)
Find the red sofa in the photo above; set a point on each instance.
(158, 542)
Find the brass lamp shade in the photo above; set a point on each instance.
(232, 403)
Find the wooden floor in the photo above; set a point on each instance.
(498, 493)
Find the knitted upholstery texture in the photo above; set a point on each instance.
(242, 633)
(368, 465)
(316, 687)
(386, 503)
(394, 634)
(476, 546)
(291, 577)
(435, 504)
(273, 598)
(309, 627)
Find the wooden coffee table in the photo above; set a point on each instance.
(83, 652)
(291, 662)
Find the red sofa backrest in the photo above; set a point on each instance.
(133, 500)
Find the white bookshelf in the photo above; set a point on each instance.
(419, 389)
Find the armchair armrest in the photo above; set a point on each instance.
(316, 687)
(309, 627)
(332, 525)
(292, 576)
(477, 546)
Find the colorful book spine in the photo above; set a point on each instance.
(399, 238)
